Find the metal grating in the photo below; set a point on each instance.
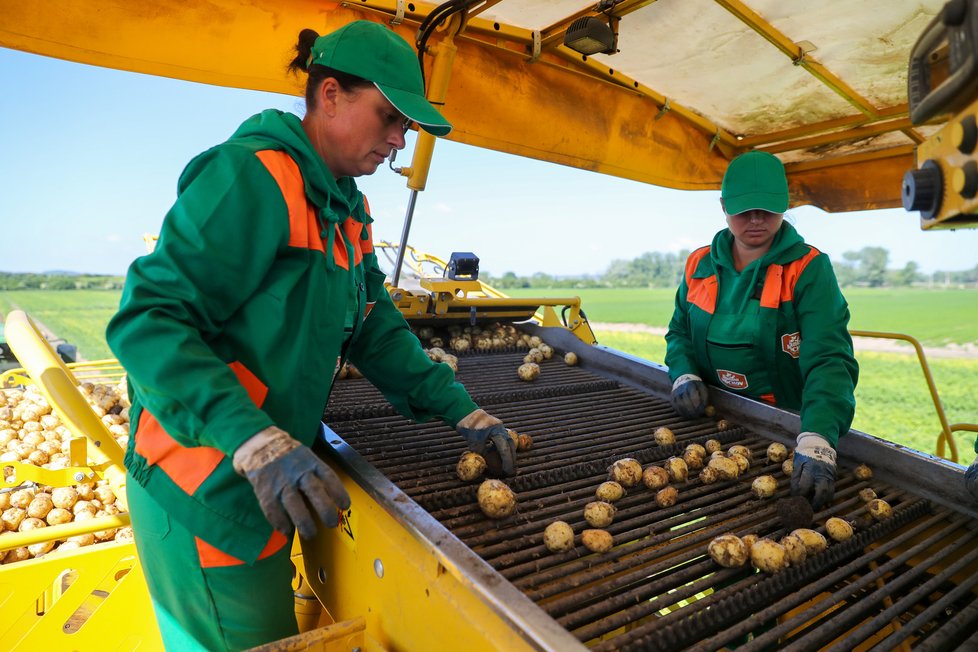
(907, 581)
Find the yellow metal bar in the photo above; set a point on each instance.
(11, 540)
(60, 387)
(946, 430)
(21, 472)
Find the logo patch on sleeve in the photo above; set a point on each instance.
(732, 379)
(791, 344)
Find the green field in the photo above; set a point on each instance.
(892, 398)
(935, 317)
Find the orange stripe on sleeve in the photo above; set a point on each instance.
(793, 271)
(771, 294)
(303, 226)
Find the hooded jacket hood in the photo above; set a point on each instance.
(273, 129)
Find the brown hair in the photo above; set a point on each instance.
(317, 73)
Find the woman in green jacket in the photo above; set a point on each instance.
(760, 313)
(262, 284)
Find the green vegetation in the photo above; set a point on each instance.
(935, 316)
(77, 316)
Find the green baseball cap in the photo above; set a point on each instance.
(377, 54)
(755, 180)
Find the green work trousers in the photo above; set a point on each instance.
(218, 608)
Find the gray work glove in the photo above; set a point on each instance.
(484, 433)
(971, 479)
(689, 396)
(814, 470)
(289, 479)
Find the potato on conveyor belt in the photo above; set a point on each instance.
(597, 540)
(728, 550)
(496, 499)
(558, 537)
(627, 472)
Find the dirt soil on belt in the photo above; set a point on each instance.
(960, 351)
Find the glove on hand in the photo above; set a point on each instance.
(814, 473)
(484, 432)
(288, 479)
(971, 479)
(689, 396)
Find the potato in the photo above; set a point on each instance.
(496, 499)
(709, 475)
(529, 371)
(694, 461)
(749, 540)
(627, 472)
(723, 424)
(524, 443)
(713, 445)
(125, 535)
(22, 498)
(728, 550)
(795, 548)
(533, 355)
(768, 556)
(863, 472)
(743, 464)
(764, 486)
(12, 518)
(570, 358)
(814, 541)
(726, 468)
(788, 466)
(664, 436)
(558, 537)
(515, 436)
(29, 524)
(17, 554)
(710, 411)
(666, 497)
(86, 491)
(64, 497)
(609, 491)
(58, 516)
(86, 539)
(105, 494)
(677, 469)
(867, 494)
(451, 361)
(599, 513)
(698, 449)
(838, 529)
(879, 509)
(738, 449)
(470, 466)
(546, 350)
(655, 477)
(40, 506)
(4, 500)
(777, 452)
(597, 540)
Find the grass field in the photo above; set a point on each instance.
(935, 317)
(892, 398)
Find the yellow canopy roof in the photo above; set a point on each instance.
(694, 82)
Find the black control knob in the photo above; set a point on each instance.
(965, 134)
(923, 189)
(954, 13)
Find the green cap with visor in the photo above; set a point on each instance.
(377, 54)
(755, 180)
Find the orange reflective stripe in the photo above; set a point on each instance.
(189, 466)
(703, 293)
(780, 281)
(353, 230)
(768, 398)
(694, 261)
(367, 246)
(339, 248)
(212, 557)
(771, 295)
(303, 226)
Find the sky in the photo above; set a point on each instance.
(90, 160)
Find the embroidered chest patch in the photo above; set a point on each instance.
(732, 379)
(791, 344)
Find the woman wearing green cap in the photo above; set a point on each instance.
(760, 313)
(263, 283)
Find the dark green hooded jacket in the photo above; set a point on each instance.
(776, 331)
(263, 281)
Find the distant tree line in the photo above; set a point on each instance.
(59, 281)
(867, 267)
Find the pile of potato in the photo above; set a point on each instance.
(32, 433)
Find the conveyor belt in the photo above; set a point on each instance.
(908, 580)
